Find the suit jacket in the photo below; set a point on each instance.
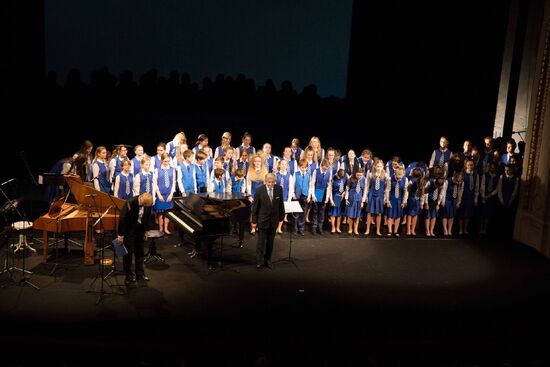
(266, 213)
(129, 214)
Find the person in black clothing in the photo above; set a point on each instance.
(267, 212)
(134, 220)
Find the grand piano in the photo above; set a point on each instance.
(207, 216)
(81, 215)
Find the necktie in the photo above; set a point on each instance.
(396, 192)
(435, 194)
(166, 178)
(128, 185)
(219, 186)
(147, 184)
(270, 194)
(455, 191)
(442, 158)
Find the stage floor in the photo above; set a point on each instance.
(380, 301)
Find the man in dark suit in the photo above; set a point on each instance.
(134, 220)
(268, 211)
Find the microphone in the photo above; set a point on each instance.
(91, 195)
(8, 181)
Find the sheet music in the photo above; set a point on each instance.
(293, 207)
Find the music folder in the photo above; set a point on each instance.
(293, 207)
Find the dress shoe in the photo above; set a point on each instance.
(193, 254)
(319, 231)
(268, 264)
(143, 277)
(130, 278)
(258, 266)
(301, 233)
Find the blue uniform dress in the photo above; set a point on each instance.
(136, 164)
(469, 199)
(125, 186)
(433, 193)
(145, 181)
(338, 192)
(243, 165)
(270, 163)
(103, 177)
(322, 180)
(451, 199)
(165, 183)
(356, 189)
(413, 202)
(284, 181)
(491, 205)
(375, 195)
(397, 195)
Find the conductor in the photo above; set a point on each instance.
(134, 220)
(268, 210)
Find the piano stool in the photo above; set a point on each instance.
(152, 255)
(22, 227)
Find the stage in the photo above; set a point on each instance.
(377, 300)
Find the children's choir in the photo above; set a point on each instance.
(472, 185)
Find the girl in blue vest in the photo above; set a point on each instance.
(333, 163)
(187, 176)
(417, 185)
(433, 200)
(378, 185)
(136, 161)
(156, 161)
(228, 159)
(469, 196)
(442, 155)
(350, 163)
(454, 187)
(309, 155)
(243, 162)
(286, 181)
(489, 197)
(143, 181)
(302, 193)
(398, 198)
(164, 183)
(254, 179)
(355, 200)
(124, 182)
(225, 143)
(337, 192)
(100, 171)
(202, 141)
(321, 181)
(292, 163)
(270, 160)
(296, 151)
(219, 163)
(173, 146)
(246, 146)
(115, 165)
(365, 161)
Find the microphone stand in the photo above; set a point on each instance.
(113, 267)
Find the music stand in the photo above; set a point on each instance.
(101, 270)
(291, 207)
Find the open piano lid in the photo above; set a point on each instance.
(81, 192)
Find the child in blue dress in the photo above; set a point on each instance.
(164, 183)
(337, 202)
(398, 198)
(100, 171)
(378, 185)
(355, 199)
(469, 196)
(433, 200)
(417, 185)
(453, 187)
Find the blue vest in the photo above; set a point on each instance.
(200, 175)
(125, 187)
(237, 185)
(508, 186)
(400, 187)
(219, 186)
(269, 162)
(250, 150)
(296, 154)
(187, 176)
(243, 165)
(155, 163)
(284, 182)
(439, 155)
(145, 182)
(103, 177)
(137, 165)
(321, 180)
(118, 167)
(172, 149)
(166, 179)
(312, 167)
(301, 186)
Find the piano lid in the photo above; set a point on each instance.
(89, 196)
(223, 196)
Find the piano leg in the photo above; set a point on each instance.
(89, 247)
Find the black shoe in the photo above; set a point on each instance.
(268, 264)
(320, 231)
(301, 233)
(258, 266)
(193, 254)
(143, 277)
(130, 278)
